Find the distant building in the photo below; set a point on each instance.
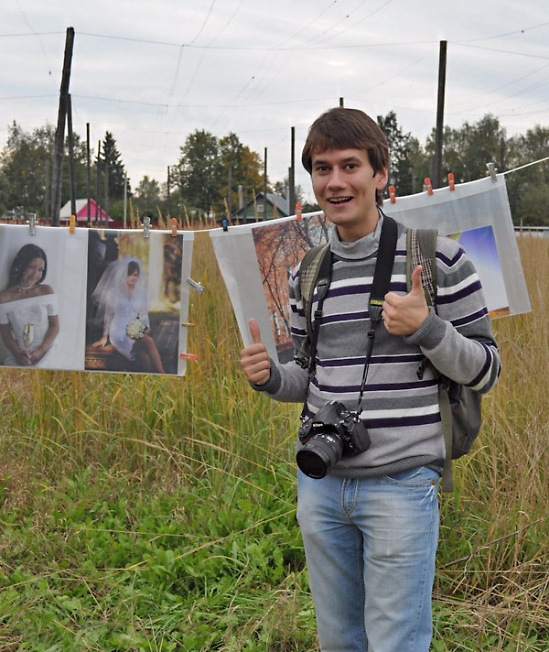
(254, 210)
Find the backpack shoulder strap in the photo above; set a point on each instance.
(421, 249)
(315, 270)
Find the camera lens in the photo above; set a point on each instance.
(319, 454)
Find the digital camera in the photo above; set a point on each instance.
(332, 433)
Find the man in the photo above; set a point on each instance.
(370, 526)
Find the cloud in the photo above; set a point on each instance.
(151, 73)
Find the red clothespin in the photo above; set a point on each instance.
(188, 356)
(428, 185)
(451, 181)
(298, 213)
(392, 194)
(174, 226)
(72, 223)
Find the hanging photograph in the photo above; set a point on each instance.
(42, 304)
(279, 248)
(134, 302)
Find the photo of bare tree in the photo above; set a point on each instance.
(280, 247)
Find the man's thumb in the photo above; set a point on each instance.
(254, 331)
(416, 280)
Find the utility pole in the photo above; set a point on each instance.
(60, 131)
(437, 163)
(230, 192)
(72, 174)
(265, 186)
(291, 176)
(88, 172)
(168, 191)
(125, 213)
(97, 178)
(106, 207)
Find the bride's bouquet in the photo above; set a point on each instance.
(135, 329)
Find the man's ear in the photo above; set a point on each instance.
(382, 178)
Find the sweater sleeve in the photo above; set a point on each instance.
(457, 338)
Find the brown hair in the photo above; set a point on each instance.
(342, 128)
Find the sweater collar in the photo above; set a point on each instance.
(365, 247)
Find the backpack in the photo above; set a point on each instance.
(460, 406)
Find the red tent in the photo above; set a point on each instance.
(96, 214)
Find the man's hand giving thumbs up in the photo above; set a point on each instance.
(403, 315)
(254, 359)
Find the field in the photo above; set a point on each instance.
(140, 513)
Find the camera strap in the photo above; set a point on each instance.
(380, 286)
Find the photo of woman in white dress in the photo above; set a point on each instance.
(122, 311)
(29, 313)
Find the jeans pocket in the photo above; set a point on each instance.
(418, 477)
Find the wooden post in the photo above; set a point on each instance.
(97, 179)
(72, 173)
(265, 186)
(291, 176)
(88, 172)
(60, 131)
(437, 163)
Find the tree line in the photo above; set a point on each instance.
(214, 175)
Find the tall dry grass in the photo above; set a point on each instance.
(492, 585)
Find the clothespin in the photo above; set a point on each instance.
(72, 223)
(428, 185)
(195, 285)
(174, 226)
(491, 167)
(225, 224)
(451, 181)
(187, 324)
(32, 223)
(392, 194)
(146, 226)
(188, 356)
(298, 211)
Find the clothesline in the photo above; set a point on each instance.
(527, 165)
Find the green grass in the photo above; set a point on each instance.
(147, 513)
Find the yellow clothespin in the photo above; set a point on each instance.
(72, 223)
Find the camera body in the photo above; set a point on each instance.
(332, 433)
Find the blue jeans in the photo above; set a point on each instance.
(370, 546)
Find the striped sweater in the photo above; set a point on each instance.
(400, 406)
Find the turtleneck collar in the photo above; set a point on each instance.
(365, 247)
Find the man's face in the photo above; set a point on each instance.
(345, 187)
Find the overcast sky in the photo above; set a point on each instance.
(153, 71)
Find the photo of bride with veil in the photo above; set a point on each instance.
(133, 302)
